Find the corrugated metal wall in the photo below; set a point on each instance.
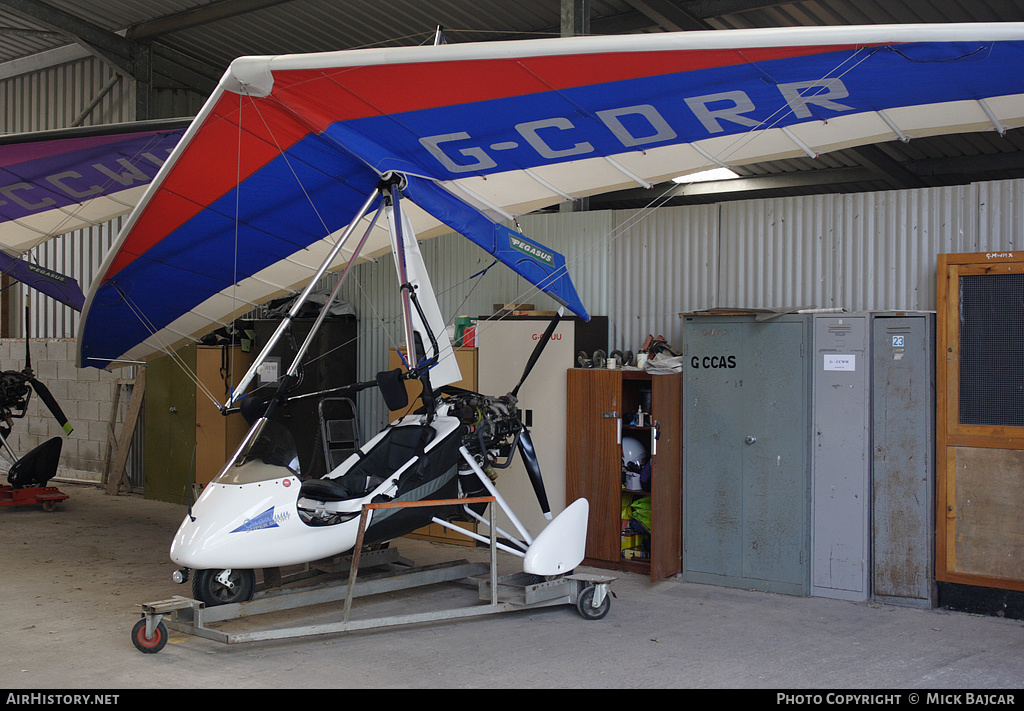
(864, 251)
(1000, 217)
(62, 96)
(48, 99)
(640, 268)
(455, 265)
(662, 261)
(53, 98)
(78, 254)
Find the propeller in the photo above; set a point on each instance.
(39, 387)
(535, 356)
(50, 402)
(524, 442)
(529, 455)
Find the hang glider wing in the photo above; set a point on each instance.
(55, 182)
(288, 147)
(55, 285)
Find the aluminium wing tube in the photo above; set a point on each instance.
(251, 373)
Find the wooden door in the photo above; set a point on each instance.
(980, 420)
(667, 476)
(593, 456)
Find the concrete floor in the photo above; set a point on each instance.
(71, 582)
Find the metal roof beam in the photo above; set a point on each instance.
(109, 46)
(191, 72)
(669, 15)
(131, 57)
(968, 165)
(716, 8)
(195, 17)
(886, 169)
(663, 14)
(668, 192)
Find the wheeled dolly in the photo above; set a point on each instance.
(46, 496)
(590, 594)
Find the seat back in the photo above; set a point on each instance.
(38, 466)
(339, 430)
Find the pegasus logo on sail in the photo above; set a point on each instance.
(533, 250)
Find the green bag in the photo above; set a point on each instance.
(641, 511)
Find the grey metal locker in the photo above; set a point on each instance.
(903, 460)
(746, 471)
(841, 457)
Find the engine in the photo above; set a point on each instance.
(492, 424)
(15, 392)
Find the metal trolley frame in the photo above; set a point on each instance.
(590, 594)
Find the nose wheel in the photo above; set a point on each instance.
(223, 587)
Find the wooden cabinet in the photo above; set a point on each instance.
(603, 406)
(187, 439)
(217, 435)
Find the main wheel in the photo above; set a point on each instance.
(211, 588)
(585, 604)
(149, 645)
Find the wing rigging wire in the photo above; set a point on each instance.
(161, 345)
(849, 63)
(853, 60)
(234, 267)
(720, 159)
(283, 155)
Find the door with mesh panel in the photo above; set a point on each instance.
(980, 420)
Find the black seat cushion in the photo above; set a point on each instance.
(397, 447)
(328, 489)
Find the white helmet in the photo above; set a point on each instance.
(633, 452)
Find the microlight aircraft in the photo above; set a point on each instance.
(295, 156)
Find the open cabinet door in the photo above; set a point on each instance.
(594, 457)
(667, 486)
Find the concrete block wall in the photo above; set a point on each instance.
(86, 396)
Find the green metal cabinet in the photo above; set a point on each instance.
(746, 459)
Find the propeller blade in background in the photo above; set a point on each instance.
(44, 392)
(51, 404)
